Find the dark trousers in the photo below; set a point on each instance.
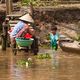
(34, 46)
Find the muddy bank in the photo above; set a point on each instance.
(61, 15)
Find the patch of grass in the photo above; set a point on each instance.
(43, 56)
(38, 3)
(23, 62)
(27, 2)
(45, 46)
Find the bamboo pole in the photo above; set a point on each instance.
(9, 7)
(31, 10)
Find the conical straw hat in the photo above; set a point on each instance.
(27, 18)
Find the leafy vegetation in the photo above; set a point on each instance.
(23, 62)
(48, 3)
(27, 2)
(38, 2)
(78, 38)
(43, 56)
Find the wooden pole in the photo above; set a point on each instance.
(30, 9)
(3, 42)
(9, 6)
(5, 27)
(4, 35)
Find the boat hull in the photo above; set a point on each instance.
(69, 49)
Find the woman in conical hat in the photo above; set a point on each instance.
(24, 20)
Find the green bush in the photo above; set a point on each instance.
(78, 37)
(27, 2)
(37, 3)
(43, 56)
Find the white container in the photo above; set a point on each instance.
(27, 64)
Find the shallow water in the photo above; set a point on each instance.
(68, 68)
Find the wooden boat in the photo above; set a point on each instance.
(70, 46)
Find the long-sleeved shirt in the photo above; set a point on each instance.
(17, 28)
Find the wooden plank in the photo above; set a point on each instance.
(12, 25)
(68, 2)
(52, 8)
(14, 15)
(13, 22)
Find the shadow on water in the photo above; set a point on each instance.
(68, 69)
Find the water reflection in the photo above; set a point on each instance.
(69, 68)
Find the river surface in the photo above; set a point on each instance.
(68, 67)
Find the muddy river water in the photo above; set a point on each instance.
(68, 68)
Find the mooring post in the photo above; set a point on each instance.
(3, 42)
(5, 34)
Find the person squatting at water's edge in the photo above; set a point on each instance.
(24, 29)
